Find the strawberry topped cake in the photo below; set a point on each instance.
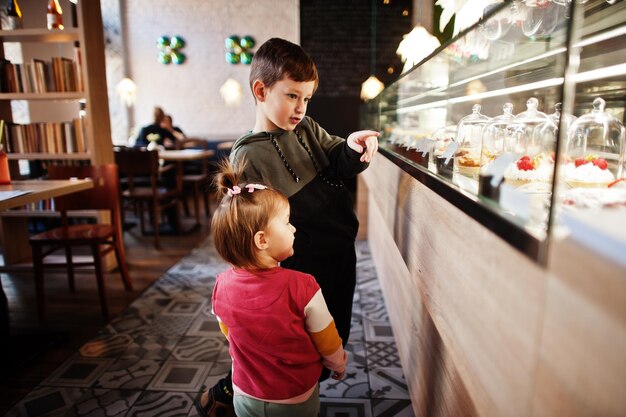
(526, 170)
(589, 171)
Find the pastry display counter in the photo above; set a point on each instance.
(519, 121)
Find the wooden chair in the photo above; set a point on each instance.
(224, 147)
(101, 238)
(196, 177)
(136, 165)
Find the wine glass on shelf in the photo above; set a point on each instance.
(541, 17)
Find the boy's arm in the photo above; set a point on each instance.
(346, 157)
(364, 142)
(321, 327)
(346, 162)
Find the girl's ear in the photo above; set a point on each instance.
(259, 90)
(260, 240)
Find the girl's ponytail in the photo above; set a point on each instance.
(227, 177)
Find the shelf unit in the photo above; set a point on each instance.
(97, 128)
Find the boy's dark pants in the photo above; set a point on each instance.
(335, 272)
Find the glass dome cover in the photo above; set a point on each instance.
(494, 134)
(594, 151)
(548, 132)
(469, 140)
(443, 147)
(522, 137)
(535, 149)
(563, 120)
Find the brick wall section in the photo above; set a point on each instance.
(337, 36)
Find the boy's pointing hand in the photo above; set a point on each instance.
(365, 142)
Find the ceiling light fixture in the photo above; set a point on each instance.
(231, 92)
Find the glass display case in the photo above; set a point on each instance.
(519, 121)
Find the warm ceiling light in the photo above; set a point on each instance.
(371, 88)
(390, 70)
(127, 91)
(415, 46)
(231, 92)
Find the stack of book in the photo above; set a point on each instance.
(60, 74)
(45, 137)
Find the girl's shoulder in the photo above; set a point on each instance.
(302, 280)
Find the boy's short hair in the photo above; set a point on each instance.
(278, 58)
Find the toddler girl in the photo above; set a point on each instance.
(280, 331)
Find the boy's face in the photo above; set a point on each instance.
(283, 104)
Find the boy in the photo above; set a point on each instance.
(299, 158)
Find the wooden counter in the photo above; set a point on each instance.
(480, 328)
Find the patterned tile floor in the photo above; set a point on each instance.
(154, 357)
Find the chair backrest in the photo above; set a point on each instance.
(223, 149)
(225, 145)
(194, 167)
(103, 196)
(136, 163)
(192, 143)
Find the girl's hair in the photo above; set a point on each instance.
(277, 59)
(244, 209)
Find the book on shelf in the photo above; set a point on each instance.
(78, 68)
(57, 71)
(45, 137)
(60, 74)
(39, 75)
(70, 137)
(4, 78)
(27, 83)
(11, 78)
(79, 131)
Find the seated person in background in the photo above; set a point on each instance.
(167, 124)
(165, 137)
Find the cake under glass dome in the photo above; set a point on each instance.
(594, 151)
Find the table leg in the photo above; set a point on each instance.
(4, 314)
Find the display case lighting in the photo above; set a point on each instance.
(552, 82)
(486, 74)
(600, 73)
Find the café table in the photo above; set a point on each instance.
(18, 194)
(179, 157)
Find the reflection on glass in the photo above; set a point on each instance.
(500, 24)
(541, 18)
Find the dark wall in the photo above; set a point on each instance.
(337, 35)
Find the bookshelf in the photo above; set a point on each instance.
(96, 129)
